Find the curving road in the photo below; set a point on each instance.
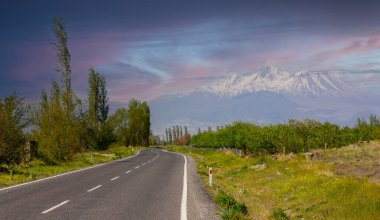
(149, 185)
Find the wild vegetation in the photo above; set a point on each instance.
(63, 126)
(341, 183)
(39, 168)
(294, 136)
(13, 121)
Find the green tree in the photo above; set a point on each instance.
(97, 97)
(170, 135)
(13, 121)
(187, 137)
(138, 123)
(119, 123)
(63, 61)
(101, 132)
(58, 121)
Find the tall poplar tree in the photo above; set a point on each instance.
(63, 61)
(97, 97)
(102, 133)
(59, 129)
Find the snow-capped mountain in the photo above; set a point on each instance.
(268, 95)
(272, 79)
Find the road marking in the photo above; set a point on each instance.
(184, 192)
(144, 164)
(63, 174)
(137, 167)
(128, 171)
(115, 178)
(148, 161)
(54, 207)
(94, 188)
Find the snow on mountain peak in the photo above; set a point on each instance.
(274, 79)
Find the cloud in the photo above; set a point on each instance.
(125, 81)
(360, 46)
(150, 48)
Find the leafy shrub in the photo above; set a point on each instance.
(279, 214)
(231, 208)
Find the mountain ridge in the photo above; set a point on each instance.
(268, 95)
(273, 79)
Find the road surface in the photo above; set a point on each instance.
(150, 185)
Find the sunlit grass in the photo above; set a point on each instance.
(295, 187)
(38, 169)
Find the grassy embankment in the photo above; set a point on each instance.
(37, 169)
(340, 184)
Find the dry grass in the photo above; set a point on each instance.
(359, 160)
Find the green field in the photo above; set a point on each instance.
(338, 184)
(37, 169)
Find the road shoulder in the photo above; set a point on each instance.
(200, 204)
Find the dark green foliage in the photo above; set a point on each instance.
(138, 115)
(294, 136)
(279, 214)
(103, 137)
(119, 123)
(97, 97)
(100, 132)
(12, 137)
(231, 208)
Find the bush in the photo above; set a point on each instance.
(279, 214)
(103, 137)
(231, 208)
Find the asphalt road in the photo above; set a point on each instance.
(151, 185)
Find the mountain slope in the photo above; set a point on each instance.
(273, 79)
(269, 95)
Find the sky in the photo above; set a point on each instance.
(147, 49)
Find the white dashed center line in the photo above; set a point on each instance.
(128, 171)
(94, 188)
(115, 178)
(144, 164)
(54, 207)
(137, 167)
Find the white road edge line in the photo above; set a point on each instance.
(184, 192)
(70, 172)
(137, 167)
(115, 178)
(128, 171)
(94, 188)
(184, 189)
(54, 207)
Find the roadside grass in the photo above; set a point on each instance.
(291, 187)
(38, 169)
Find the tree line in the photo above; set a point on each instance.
(62, 124)
(293, 136)
(177, 135)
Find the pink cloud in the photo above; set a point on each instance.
(357, 46)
